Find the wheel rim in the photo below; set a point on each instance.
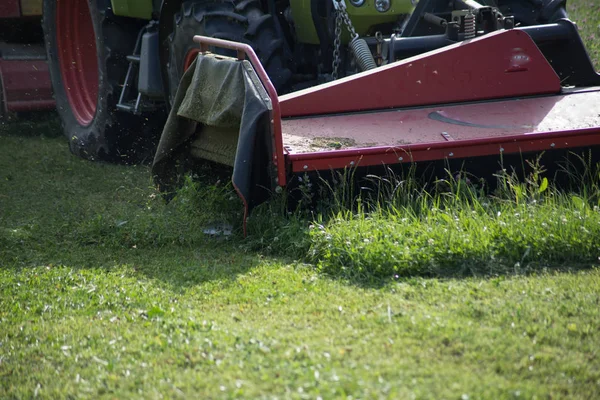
(189, 58)
(76, 44)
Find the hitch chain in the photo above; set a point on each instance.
(341, 16)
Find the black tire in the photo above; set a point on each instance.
(109, 135)
(3, 113)
(236, 20)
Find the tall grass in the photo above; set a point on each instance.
(380, 227)
(385, 227)
(399, 226)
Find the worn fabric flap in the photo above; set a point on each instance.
(221, 93)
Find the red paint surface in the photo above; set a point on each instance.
(26, 85)
(10, 9)
(446, 122)
(467, 130)
(445, 150)
(76, 44)
(497, 65)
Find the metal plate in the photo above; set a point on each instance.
(498, 65)
(451, 128)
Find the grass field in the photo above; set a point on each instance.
(106, 292)
(586, 13)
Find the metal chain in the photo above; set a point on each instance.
(341, 16)
(348, 22)
(337, 43)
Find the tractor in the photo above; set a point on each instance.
(280, 88)
(115, 65)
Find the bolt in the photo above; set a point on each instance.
(400, 158)
(305, 167)
(552, 145)
(383, 5)
(501, 149)
(351, 162)
(357, 3)
(451, 155)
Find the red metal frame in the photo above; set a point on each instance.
(10, 9)
(496, 65)
(243, 51)
(501, 65)
(523, 143)
(448, 131)
(26, 85)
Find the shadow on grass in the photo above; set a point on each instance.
(57, 209)
(370, 282)
(221, 261)
(177, 267)
(32, 124)
(66, 211)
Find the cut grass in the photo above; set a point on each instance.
(106, 292)
(282, 331)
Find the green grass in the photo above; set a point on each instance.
(586, 14)
(106, 292)
(456, 228)
(457, 242)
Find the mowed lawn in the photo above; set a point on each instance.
(105, 292)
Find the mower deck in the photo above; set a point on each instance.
(445, 131)
(495, 95)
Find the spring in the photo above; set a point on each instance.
(470, 26)
(363, 54)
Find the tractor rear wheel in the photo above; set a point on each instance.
(235, 20)
(87, 48)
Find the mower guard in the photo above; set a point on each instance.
(495, 95)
